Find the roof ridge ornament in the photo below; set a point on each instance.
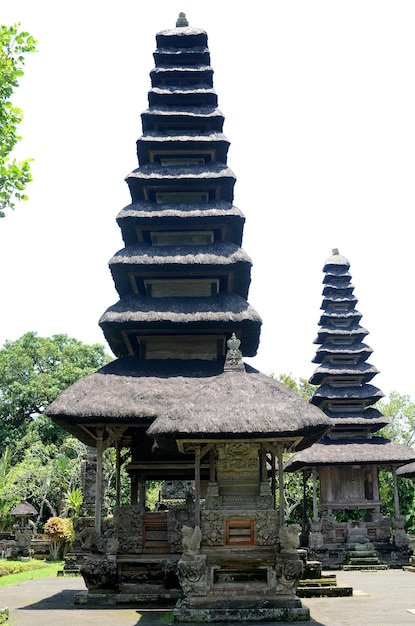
(182, 20)
(233, 359)
(335, 251)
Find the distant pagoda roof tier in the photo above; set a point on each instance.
(356, 332)
(330, 318)
(365, 394)
(335, 353)
(361, 372)
(376, 450)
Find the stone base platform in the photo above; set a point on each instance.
(237, 609)
(154, 600)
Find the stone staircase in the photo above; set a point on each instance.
(361, 554)
(314, 584)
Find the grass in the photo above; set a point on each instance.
(12, 572)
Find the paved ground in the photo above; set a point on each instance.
(385, 598)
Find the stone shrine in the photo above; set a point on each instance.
(346, 461)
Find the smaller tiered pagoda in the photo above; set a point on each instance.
(347, 460)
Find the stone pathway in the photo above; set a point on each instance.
(384, 598)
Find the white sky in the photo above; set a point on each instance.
(319, 105)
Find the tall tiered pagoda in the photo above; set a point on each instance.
(346, 462)
(178, 402)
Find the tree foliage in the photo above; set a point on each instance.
(33, 372)
(301, 386)
(400, 410)
(14, 175)
(39, 461)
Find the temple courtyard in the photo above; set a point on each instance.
(382, 598)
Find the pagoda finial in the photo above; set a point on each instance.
(182, 20)
(335, 251)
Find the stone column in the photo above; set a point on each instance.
(197, 485)
(315, 509)
(395, 492)
(98, 492)
(281, 484)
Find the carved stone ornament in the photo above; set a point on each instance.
(316, 539)
(213, 528)
(288, 569)
(234, 355)
(191, 540)
(100, 574)
(192, 575)
(289, 537)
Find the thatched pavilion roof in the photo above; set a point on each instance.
(375, 451)
(240, 405)
(24, 509)
(187, 399)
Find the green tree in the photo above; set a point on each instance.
(33, 372)
(14, 175)
(400, 410)
(301, 386)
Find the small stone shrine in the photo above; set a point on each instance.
(179, 403)
(347, 460)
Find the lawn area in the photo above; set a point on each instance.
(12, 572)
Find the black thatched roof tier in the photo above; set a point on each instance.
(375, 451)
(364, 372)
(406, 471)
(211, 143)
(331, 316)
(138, 219)
(163, 74)
(367, 394)
(187, 399)
(336, 290)
(358, 352)
(182, 37)
(332, 302)
(214, 178)
(189, 56)
(368, 413)
(349, 421)
(201, 118)
(175, 96)
(336, 264)
(327, 333)
(218, 258)
(224, 312)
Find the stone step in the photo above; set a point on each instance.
(324, 592)
(351, 568)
